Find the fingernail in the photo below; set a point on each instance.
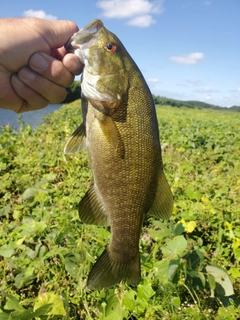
(27, 74)
(37, 61)
(16, 81)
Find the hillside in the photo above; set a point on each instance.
(191, 104)
(74, 93)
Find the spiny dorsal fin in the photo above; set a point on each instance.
(77, 140)
(91, 210)
(163, 203)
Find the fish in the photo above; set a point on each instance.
(120, 131)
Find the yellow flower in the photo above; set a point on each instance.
(20, 241)
(188, 226)
(236, 243)
(204, 200)
(228, 226)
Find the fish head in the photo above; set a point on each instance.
(105, 74)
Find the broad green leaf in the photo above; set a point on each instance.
(176, 301)
(145, 291)
(23, 279)
(44, 310)
(3, 166)
(29, 193)
(141, 305)
(72, 268)
(179, 229)
(212, 284)
(7, 250)
(201, 276)
(49, 298)
(5, 210)
(113, 315)
(175, 247)
(5, 316)
(237, 253)
(222, 278)
(12, 303)
(172, 270)
(161, 232)
(25, 315)
(113, 307)
(193, 194)
(162, 270)
(235, 272)
(129, 300)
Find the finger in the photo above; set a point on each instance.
(72, 63)
(56, 32)
(70, 60)
(51, 68)
(49, 90)
(31, 100)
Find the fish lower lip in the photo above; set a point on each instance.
(68, 46)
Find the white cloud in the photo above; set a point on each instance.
(208, 3)
(38, 14)
(194, 82)
(138, 11)
(142, 21)
(190, 59)
(206, 90)
(152, 80)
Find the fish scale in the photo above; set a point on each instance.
(121, 129)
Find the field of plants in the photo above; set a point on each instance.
(190, 264)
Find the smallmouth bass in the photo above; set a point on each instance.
(120, 130)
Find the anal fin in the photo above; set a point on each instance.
(163, 203)
(91, 210)
(77, 140)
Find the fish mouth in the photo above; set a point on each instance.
(84, 35)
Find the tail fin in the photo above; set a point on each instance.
(106, 272)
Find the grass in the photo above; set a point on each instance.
(190, 264)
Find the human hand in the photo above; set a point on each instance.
(35, 68)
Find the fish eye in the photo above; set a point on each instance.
(110, 47)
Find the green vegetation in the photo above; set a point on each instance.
(73, 92)
(191, 104)
(75, 89)
(190, 264)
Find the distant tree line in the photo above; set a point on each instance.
(190, 104)
(74, 93)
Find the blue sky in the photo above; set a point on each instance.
(186, 49)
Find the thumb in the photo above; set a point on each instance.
(57, 32)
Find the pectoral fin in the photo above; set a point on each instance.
(91, 210)
(77, 140)
(163, 203)
(112, 134)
